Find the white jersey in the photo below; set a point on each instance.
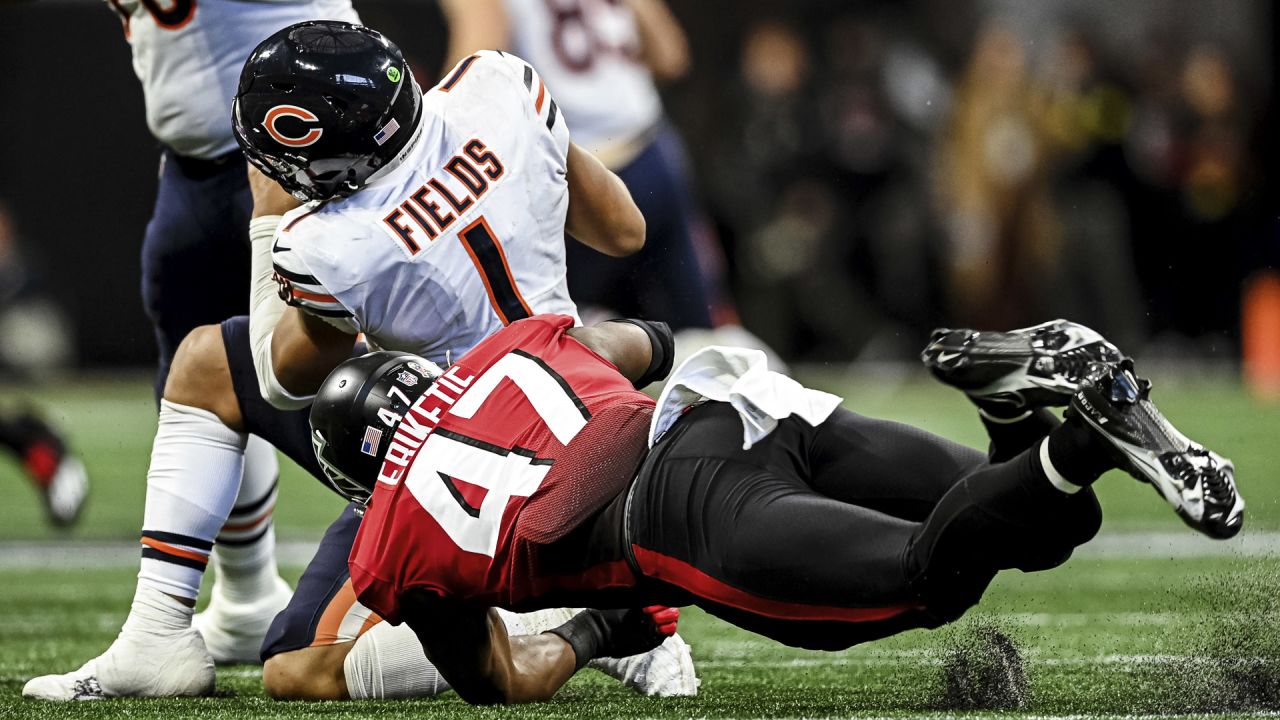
(588, 51)
(189, 53)
(462, 235)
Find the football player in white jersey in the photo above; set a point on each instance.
(601, 58)
(431, 220)
(195, 254)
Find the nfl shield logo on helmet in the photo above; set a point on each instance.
(372, 436)
(407, 378)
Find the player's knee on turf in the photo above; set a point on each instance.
(312, 673)
(201, 376)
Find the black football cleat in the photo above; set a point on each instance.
(1037, 366)
(1197, 482)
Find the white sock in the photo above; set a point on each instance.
(245, 554)
(1056, 478)
(196, 463)
(386, 662)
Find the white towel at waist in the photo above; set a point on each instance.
(742, 378)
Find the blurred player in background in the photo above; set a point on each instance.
(601, 59)
(53, 470)
(27, 312)
(435, 219)
(195, 254)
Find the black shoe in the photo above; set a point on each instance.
(1033, 367)
(1197, 482)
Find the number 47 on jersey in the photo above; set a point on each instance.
(449, 466)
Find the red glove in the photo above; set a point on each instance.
(663, 618)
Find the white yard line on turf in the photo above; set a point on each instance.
(71, 554)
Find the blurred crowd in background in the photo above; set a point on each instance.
(873, 170)
(882, 169)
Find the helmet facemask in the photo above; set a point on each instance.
(356, 414)
(340, 482)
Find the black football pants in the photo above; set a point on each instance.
(824, 537)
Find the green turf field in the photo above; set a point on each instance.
(1112, 633)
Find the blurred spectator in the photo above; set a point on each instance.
(1044, 176)
(1188, 150)
(993, 190)
(1086, 115)
(878, 169)
(819, 184)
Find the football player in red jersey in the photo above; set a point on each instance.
(531, 474)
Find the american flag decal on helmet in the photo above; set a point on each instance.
(372, 436)
(386, 132)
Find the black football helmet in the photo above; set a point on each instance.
(356, 412)
(322, 105)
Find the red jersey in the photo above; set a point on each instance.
(519, 442)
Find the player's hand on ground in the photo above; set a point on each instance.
(638, 630)
(268, 197)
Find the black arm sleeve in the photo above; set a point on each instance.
(664, 350)
(609, 633)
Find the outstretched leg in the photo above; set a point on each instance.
(196, 464)
(742, 533)
(905, 471)
(881, 465)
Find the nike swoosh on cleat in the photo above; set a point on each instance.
(945, 357)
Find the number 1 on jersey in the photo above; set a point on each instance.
(486, 253)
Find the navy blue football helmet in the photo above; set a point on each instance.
(322, 105)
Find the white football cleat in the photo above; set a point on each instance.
(136, 665)
(665, 671)
(233, 632)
